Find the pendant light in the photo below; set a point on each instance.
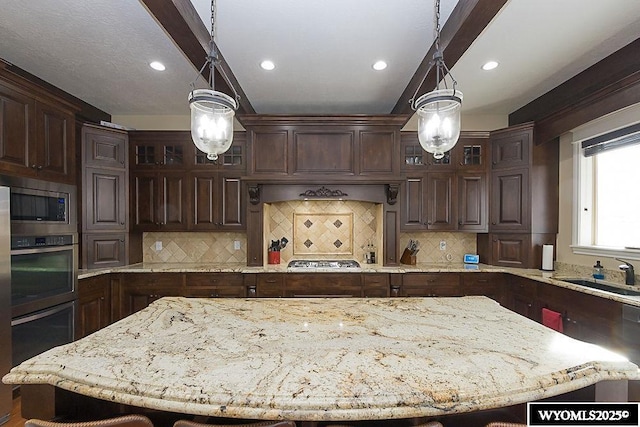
(438, 111)
(212, 112)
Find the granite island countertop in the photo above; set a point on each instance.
(324, 359)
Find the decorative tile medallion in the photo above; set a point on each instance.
(327, 233)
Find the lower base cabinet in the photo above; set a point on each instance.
(94, 305)
(104, 250)
(215, 285)
(138, 290)
(431, 285)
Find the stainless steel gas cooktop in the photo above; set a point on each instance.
(339, 264)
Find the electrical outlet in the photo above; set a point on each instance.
(443, 245)
(236, 245)
(158, 246)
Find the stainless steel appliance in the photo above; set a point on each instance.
(338, 264)
(5, 304)
(39, 269)
(43, 272)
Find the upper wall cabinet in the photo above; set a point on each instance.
(327, 147)
(174, 187)
(37, 137)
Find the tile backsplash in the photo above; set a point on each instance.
(454, 247)
(318, 229)
(323, 229)
(182, 247)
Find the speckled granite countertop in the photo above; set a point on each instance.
(553, 278)
(324, 359)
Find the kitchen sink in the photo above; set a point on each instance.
(603, 287)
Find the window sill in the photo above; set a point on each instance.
(629, 254)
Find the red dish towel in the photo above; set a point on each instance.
(552, 319)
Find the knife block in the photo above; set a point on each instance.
(407, 258)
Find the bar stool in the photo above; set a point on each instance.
(123, 421)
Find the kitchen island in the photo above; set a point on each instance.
(317, 359)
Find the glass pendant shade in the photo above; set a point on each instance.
(439, 120)
(211, 121)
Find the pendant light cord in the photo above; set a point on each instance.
(437, 60)
(213, 60)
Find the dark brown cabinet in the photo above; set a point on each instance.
(105, 199)
(523, 199)
(322, 285)
(104, 250)
(473, 201)
(270, 285)
(138, 290)
(158, 201)
(431, 285)
(523, 297)
(94, 305)
(104, 185)
(445, 194)
(214, 285)
(174, 187)
(218, 202)
(375, 285)
(510, 202)
(37, 137)
(491, 285)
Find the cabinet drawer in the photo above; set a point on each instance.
(431, 284)
(375, 285)
(325, 284)
(418, 279)
(220, 291)
(270, 285)
(214, 279)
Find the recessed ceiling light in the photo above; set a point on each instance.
(379, 65)
(490, 65)
(267, 65)
(158, 66)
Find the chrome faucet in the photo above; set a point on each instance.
(630, 275)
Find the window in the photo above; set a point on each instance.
(608, 190)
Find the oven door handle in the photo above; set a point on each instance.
(41, 250)
(42, 313)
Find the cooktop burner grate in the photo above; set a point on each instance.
(323, 264)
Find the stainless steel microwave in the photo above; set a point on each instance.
(40, 207)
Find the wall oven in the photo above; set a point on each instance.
(43, 272)
(37, 332)
(44, 265)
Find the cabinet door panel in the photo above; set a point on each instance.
(472, 202)
(105, 203)
(510, 201)
(144, 201)
(94, 305)
(172, 207)
(54, 134)
(104, 147)
(414, 204)
(511, 250)
(511, 149)
(204, 201)
(324, 152)
(16, 125)
(269, 152)
(377, 153)
(440, 196)
(104, 250)
(232, 209)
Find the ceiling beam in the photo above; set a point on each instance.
(467, 20)
(607, 86)
(181, 22)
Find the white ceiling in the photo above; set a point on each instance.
(99, 51)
